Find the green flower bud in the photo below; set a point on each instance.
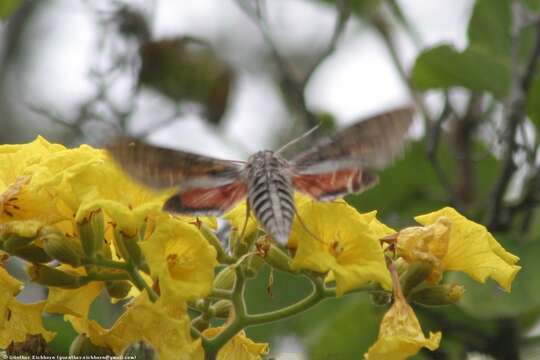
(92, 230)
(83, 346)
(222, 308)
(437, 295)
(200, 323)
(129, 248)
(32, 253)
(278, 259)
(50, 276)
(16, 234)
(416, 273)
(118, 289)
(63, 249)
(380, 298)
(141, 350)
(225, 279)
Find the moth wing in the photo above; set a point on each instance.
(372, 144)
(161, 168)
(207, 201)
(331, 185)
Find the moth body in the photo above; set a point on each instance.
(270, 193)
(343, 163)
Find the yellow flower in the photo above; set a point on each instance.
(240, 347)
(181, 258)
(19, 198)
(346, 243)
(167, 330)
(466, 246)
(400, 334)
(16, 319)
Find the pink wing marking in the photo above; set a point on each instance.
(206, 201)
(331, 185)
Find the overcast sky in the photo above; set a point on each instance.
(357, 80)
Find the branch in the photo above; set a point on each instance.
(515, 116)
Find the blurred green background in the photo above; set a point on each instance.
(227, 78)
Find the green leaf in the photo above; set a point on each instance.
(443, 67)
(348, 333)
(489, 28)
(487, 301)
(8, 7)
(532, 105)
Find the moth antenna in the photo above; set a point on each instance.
(299, 138)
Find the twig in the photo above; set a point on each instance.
(343, 14)
(433, 141)
(515, 109)
(382, 27)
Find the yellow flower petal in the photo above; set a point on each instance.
(167, 332)
(346, 244)
(400, 335)
(9, 288)
(473, 250)
(74, 302)
(22, 320)
(240, 347)
(181, 258)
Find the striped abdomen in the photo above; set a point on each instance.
(270, 194)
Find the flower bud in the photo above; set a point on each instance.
(225, 279)
(118, 289)
(16, 234)
(278, 259)
(141, 350)
(32, 253)
(416, 273)
(63, 249)
(83, 346)
(129, 248)
(380, 298)
(200, 323)
(92, 231)
(437, 295)
(50, 276)
(222, 308)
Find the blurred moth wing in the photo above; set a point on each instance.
(343, 163)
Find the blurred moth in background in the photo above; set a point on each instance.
(343, 163)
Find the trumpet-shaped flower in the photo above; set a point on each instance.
(19, 197)
(180, 258)
(335, 237)
(400, 334)
(452, 242)
(166, 330)
(240, 347)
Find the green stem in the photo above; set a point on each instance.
(108, 277)
(316, 295)
(140, 283)
(100, 261)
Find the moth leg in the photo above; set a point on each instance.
(244, 227)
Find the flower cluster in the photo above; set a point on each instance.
(81, 227)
